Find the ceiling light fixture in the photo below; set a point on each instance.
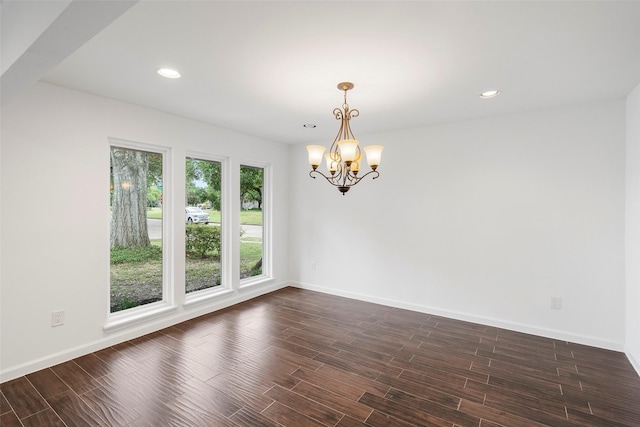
(169, 73)
(344, 157)
(489, 94)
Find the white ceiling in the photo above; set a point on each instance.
(268, 67)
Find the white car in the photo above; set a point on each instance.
(194, 215)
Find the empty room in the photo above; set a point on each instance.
(319, 213)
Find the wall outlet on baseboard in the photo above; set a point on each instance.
(556, 303)
(57, 318)
(313, 266)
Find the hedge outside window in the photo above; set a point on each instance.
(203, 225)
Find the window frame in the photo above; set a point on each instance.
(226, 213)
(267, 195)
(131, 316)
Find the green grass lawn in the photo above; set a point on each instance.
(136, 276)
(250, 254)
(154, 213)
(252, 217)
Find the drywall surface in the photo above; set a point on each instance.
(633, 229)
(55, 218)
(484, 220)
(25, 21)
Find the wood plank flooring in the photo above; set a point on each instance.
(301, 358)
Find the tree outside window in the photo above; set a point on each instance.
(251, 221)
(136, 228)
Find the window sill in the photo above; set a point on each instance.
(254, 281)
(136, 316)
(205, 296)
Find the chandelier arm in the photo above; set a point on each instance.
(334, 178)
(347, 177)
(356, 179)
(377, 174)
(334, 146)
(345, 125)
(348, 133)
(330, 179)
(338, 175)
(353, 180)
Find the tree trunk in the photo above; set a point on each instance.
(129, 203)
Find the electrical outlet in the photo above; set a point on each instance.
(556, 303)
(313, 266)
(57, 318)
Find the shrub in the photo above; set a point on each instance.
(201, 240)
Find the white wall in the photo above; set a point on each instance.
(633, 229)
(22, 24)
(55, 217)
(484, 220)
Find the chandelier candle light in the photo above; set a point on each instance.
(344, 157)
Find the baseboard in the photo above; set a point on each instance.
(238, 296)
(247, 294)
(634, 362)
(513, 326)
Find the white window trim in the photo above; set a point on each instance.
(136, 315)
(205, 295)
(225, 288)
(267, 275)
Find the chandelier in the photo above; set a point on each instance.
(344, 158)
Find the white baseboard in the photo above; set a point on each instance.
(242, 295)
(528, 329)
(634, 362)
(113, 338)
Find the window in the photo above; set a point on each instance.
(252, 222)
(136, 246)
(203, 225)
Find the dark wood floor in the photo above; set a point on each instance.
(300, 358)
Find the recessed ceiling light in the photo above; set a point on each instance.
(169, 73)
(309, 125)
(489, 94)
